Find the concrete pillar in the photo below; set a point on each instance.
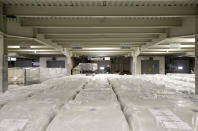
(3, 65)
(196, 64)
(68, 65)
(68, 61)
(3, 53)
(134, 63)
(131, 65)
(196, 55)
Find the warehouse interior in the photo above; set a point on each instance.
(98, 65)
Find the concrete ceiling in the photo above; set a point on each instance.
(101, 28)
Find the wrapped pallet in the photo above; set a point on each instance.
(32, 75)
(88, 67)
(16, 76)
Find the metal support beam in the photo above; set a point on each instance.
(3, 53)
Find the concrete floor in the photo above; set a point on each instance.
(102, 103)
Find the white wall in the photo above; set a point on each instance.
(140, 58)
(43, 61)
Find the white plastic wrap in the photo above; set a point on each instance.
(12, 95)
(31, 115)
(66, 82)
(95, 109)
(97, 84)
(150, 103)
(32, 75)
(94, 98)
(169, 82)
(97, 93)
(63, 94)
(89, 119)
(152, 108)
(16, 92)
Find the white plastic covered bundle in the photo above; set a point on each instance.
(97, 84)
(160, 119)
(95, 109)
(77, 118)
(31, 115)
(97, 93)
(20, 93)
(63, 89)
(14, 94)
(182, 77)
(94, 98)
(65, 104)
(169, 82)
(65, 84)
(152, 108)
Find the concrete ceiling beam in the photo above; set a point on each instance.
(103, 31)
(121, 40)
(101, 11)
(169, 50)
(101, 22)
(143, 36)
